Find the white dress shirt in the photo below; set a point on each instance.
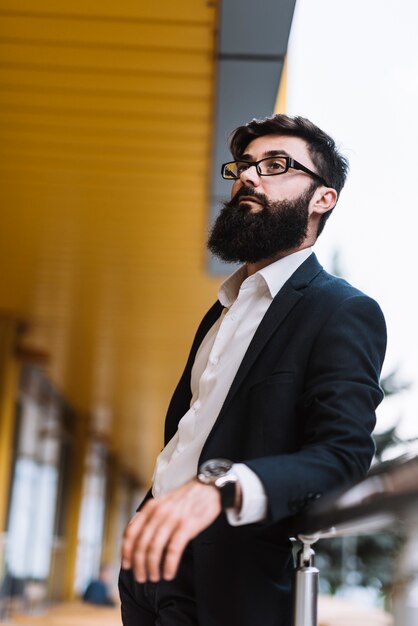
(218, 358)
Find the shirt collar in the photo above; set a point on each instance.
(229, 289)
(275, 275)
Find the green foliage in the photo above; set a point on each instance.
(366, 561)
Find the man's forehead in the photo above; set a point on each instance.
(280, 144)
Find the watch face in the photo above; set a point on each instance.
(216, 467)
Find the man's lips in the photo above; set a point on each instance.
(249, 199)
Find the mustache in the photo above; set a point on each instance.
(250, 192)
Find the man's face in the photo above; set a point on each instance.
(286, 186)
(267, 215)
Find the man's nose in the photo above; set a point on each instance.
(250, 176)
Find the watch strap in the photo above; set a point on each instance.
(228, 495)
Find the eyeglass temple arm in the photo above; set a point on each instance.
(298, 166)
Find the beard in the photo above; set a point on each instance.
(239, 235)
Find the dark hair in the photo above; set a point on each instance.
(329, 162)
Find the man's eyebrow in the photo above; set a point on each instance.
(269, 153)
(276, 153)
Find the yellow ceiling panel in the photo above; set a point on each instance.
(194, 11)
(69, 139)
(155, 128)
(81, 156)
(93, 103)
(134, 63)
(125, 35)
(128, 84)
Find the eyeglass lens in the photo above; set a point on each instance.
(266, 167)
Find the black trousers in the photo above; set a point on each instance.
(166, 603)
(244, 585)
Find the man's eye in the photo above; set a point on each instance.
(275, 165)
(241, 167)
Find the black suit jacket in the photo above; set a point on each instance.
(299, 413)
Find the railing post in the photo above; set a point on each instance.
(305, 590)
(405, 588)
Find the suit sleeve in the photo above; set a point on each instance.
(336, 411)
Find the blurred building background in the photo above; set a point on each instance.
(111, 117)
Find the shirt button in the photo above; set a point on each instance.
(196, 405)
(214, 360)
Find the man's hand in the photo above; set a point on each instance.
(157, 535)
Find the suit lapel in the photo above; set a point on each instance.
(277, 312)
(281, 306)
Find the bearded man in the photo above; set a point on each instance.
(276, 404)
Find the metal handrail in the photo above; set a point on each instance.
(387, 495)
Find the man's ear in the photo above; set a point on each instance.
(323, 200)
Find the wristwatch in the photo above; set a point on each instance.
(219, 472)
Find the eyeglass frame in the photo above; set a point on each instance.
(290, 163)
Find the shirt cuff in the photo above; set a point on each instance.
(254, 499)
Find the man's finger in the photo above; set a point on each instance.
(142, 547)
(157, 548)
(139, 554)
(147, 549)
(174, 552)
(133, 529)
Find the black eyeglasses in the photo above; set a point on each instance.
(270, 166)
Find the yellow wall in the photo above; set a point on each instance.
(100, 250)
(8, 391)
(281, 106)
(106, 123)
